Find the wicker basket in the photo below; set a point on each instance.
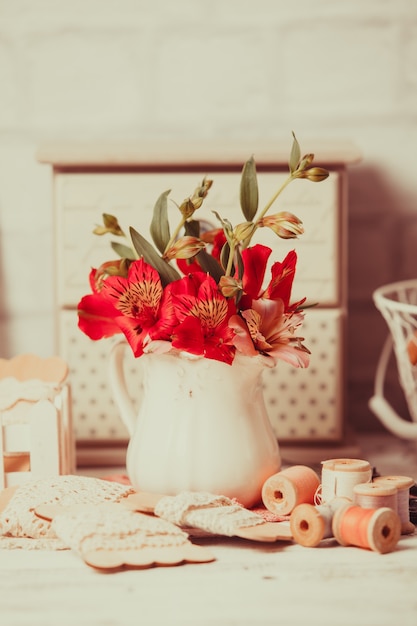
(397, 302)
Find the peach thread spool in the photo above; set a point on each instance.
(311, 524)
(403, 485)
(372, 529)
(339, 476)
(283, 491)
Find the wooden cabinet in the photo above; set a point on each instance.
(126, 180)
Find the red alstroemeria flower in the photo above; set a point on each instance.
(144, 309)
(203, 315)
(96, 314)
(255, 261)
(267, 329)
(280, 286)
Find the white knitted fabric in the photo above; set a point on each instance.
(114, 528)
(18, 519)
(205, 511)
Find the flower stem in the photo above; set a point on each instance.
(175, 234)
(274, 197)
(290, 178)
(230, 259)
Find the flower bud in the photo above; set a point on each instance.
(284, 224)
(195, 201)
(184, 248)
(118, 267)
(229, 286)
(111, 225)
(187, 208)
(305, 161)
(315, 174)
(243, 231)
(201, 192)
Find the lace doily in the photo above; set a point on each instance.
(113, 528)
(205, 511)
(18, 518)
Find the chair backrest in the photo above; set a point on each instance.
(35, 420)
(30, 366)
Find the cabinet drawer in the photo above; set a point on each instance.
(309, 404)
(302, 404)
(81, 198)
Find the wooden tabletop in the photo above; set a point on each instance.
(249, 584)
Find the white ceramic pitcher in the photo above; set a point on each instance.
(202, 425)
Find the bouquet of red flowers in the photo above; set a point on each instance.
(203, 292)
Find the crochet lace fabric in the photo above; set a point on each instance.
(113, 529)
(205, 511)
(18, 519)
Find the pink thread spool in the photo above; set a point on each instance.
(372, 529)
(282, 492)
(403, 485)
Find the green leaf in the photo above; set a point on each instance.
(295, 155)
(207, 261)
(210, 264)
(144, 249)
(159, 228)
(123, 251)
(249, 195)
(192, 228)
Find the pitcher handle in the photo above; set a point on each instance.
(118, 386)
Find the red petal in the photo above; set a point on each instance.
(255, 260)
(187, 266)
(96, 317)
(282, 279)
(188, 336)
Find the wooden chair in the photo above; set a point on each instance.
(36, 439)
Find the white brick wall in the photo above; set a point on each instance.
(116, 69)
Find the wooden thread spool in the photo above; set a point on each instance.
(311, 524)
(282, 492)
(372, 529)
(339, 476)
(375, 496)
(403, 485)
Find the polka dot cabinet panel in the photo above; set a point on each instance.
(308, 404)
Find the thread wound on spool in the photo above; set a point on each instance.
(403, 485)
(311, 524)
(373, 529)
(283, 491)
(339, 476)
(374, 496)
